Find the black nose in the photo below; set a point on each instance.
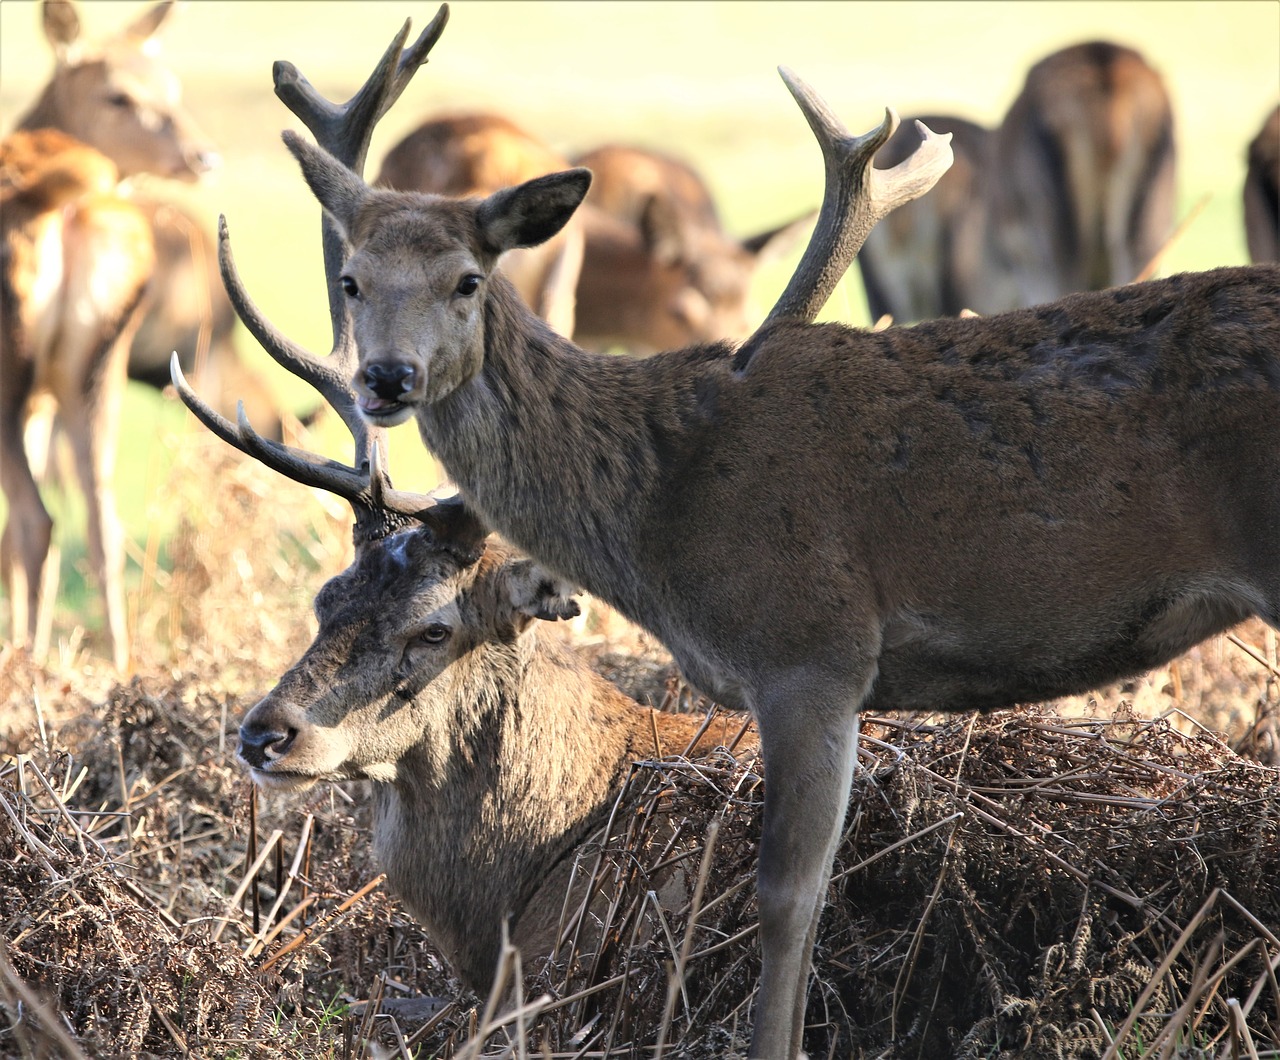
(258, 744)
(389, 381)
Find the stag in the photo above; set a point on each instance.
(77, 260)
(965, 514)
(495, 752)
(1074, 191)
(1262, 192)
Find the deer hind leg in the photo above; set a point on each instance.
(108, 264)
(28, 531)
(809, 738)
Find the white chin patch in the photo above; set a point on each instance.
(282, 781)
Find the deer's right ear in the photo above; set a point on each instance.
(532, 212)
(339, 190)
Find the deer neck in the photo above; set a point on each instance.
(466, 835)
(564, 452)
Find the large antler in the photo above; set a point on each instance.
(345, 131)
(856, 197)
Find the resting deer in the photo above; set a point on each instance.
(1074, 191)
(495, 752)
(1262, 192)
(963, 514)
(668, 274)
(77, 260)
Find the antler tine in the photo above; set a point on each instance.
(856, 196)
(369, 492)
(328, 378)
(344, 130)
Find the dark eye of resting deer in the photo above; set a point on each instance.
(434, 634)
(349, 286)
(469, 284)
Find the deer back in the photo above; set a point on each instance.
(1073, 191)
(1089, 149)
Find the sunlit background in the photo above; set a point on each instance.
(694, 79)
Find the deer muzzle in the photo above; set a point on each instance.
(261, 745)
(382, 389)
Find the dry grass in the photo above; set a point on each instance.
(1028, 883)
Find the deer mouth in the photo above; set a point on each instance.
(382, 412)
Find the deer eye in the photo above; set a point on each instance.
(469, 284)
(120, 99)
(436, 633)
(349, 286)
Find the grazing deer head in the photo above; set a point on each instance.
(1074, 191)
(1262, 192)
(77, 268)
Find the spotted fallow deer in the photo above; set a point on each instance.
(77, 260)
(965, 514)
(1074, 191)
(1262, 192)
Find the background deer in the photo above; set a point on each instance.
(1262, 192)
(669, 274)
(77, 263)
(645, 265)
(1074, 191)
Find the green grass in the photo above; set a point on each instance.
(694, 78)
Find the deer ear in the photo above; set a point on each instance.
(339, 190)
(776, 242)
(61, 24)
(143, 28)
(661, 230)
(532, 212)
(536, 594)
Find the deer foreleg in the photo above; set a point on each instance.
(809, 741)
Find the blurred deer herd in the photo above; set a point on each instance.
(1072, 191)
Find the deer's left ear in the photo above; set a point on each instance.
(532, 212)
(536, 594)
(340, 191)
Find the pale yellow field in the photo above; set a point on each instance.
(694, 78)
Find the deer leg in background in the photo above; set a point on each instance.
(97, 355)
(28, 528)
